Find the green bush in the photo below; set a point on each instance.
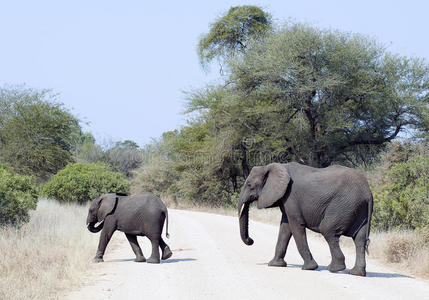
(79, 182)
(18, 195)
(403, 202)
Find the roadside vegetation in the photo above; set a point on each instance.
(48, 255)
(406, 251)
(82, 182)
(286, 92)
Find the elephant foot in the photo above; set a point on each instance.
(140, 259)
(336, 267)
(358, 271)
(166, 254)
(97, 259)
(277, 262)
(153, 260)
(310, 265)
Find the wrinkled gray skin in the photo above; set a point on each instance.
(333, 201)
(136, 215)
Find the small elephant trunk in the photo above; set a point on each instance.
(93, 229)
(243, 211)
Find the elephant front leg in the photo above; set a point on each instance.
(300, 237)
(136, 247)
(105, 237)
(282, 242)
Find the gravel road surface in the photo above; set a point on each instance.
(211, 262)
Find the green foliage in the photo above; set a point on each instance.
(18, 195)
(128, 144)
(292, 93)
(37, 133)
(123, 157)
(80, 139)
(330, 96)
(403, 200)
(231, 33)
(80, 183)
(89, 153)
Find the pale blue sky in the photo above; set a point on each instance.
(122, 65)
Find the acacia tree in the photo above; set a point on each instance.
(326, 93)
(231, 33)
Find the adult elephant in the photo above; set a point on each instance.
(333, 201)
(137, 215)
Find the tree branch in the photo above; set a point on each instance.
(377, 141)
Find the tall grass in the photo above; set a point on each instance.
(48, 255)
(404, 250)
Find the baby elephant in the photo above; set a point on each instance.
(136, 215)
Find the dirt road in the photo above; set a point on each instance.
(211, 262)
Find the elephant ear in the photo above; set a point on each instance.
(107, 206)
(277, 181)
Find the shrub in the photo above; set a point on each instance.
(79, 182)
(18, 195)
(401, 247)
(403, 201)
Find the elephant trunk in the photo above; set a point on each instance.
(243, 215)
(93, 229)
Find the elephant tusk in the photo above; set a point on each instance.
(241, 211)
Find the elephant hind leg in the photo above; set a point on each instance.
(338, 259)
(154, 257)
(330, 228)
(166, 252)
(136, 247)
(360, 243)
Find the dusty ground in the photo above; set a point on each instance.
(211, 262)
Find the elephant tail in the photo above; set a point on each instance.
(368, 228)
(166, 224)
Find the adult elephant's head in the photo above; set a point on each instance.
(99, 209)
(266, 184)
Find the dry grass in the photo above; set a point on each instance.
(48, 255)
(403, 250)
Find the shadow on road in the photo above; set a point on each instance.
(386, 275)
(346, 271)
(168, 261)
(175, 260)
